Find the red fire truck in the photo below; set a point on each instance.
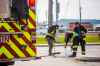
(17, 30)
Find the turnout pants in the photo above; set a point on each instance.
(50, 45)
(76, 42)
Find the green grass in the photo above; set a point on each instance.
(60, 39)
(41, 40)
(92, 38)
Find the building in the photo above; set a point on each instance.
(97, 27)
(87, 25)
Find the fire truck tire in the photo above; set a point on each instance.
(11, 63)
(3, 64)
(7, 63)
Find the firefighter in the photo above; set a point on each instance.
(79, 34)
(68, 37)
(51, 37)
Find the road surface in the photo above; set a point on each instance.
(61, 60)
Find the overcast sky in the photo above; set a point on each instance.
(69, 9)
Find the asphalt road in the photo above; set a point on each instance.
(62, 59)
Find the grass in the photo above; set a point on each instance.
(41, 40)
(60, 39)
(92, 38)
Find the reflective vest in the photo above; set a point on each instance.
(51, 34)
(75, 34)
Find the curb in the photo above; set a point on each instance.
(69, 44)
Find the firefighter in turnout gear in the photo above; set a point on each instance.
(51, 37)
(68, 37)
(79, 34)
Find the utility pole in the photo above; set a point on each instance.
(80, 11)
(50, 13)
(57, 11)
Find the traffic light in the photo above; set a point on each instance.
(19, 9)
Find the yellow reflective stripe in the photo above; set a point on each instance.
(7, 27)
(74, 46)
(74, 51)
(52, 32)
(24, 20)
(32, 14)
(17, 25)
(75, 34)
(33, 33)
(27, 35)
(30, 25)
(28, 49)
(19, 40)
(50, 35)
(0, 25)
(7, 53)
(1, 51)
(16, 49)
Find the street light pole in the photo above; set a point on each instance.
(80, 11)
(50, 13)
(57, 11)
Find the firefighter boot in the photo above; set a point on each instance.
(73, 55)
(83, 53)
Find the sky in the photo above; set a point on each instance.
(69, 9)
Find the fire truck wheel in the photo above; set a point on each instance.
(3, 64)
(11, 63)
(7, 63)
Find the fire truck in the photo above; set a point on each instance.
(17, 30)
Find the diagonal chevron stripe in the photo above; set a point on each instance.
(8, 27)
(7, 46)
(30, 44)
(4, 51)
(27, 35)
(30, 25)
(3, 57)
(22, 42)
(32, 14)
(32, 22)
(22, 21)
(28, 49)
(16, 49)
(17, 26)
(0, 25)
(12, 25)
(2, 29)
(1, 51)
(19, 46)
(12, 48)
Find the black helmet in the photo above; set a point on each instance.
(77, 23)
